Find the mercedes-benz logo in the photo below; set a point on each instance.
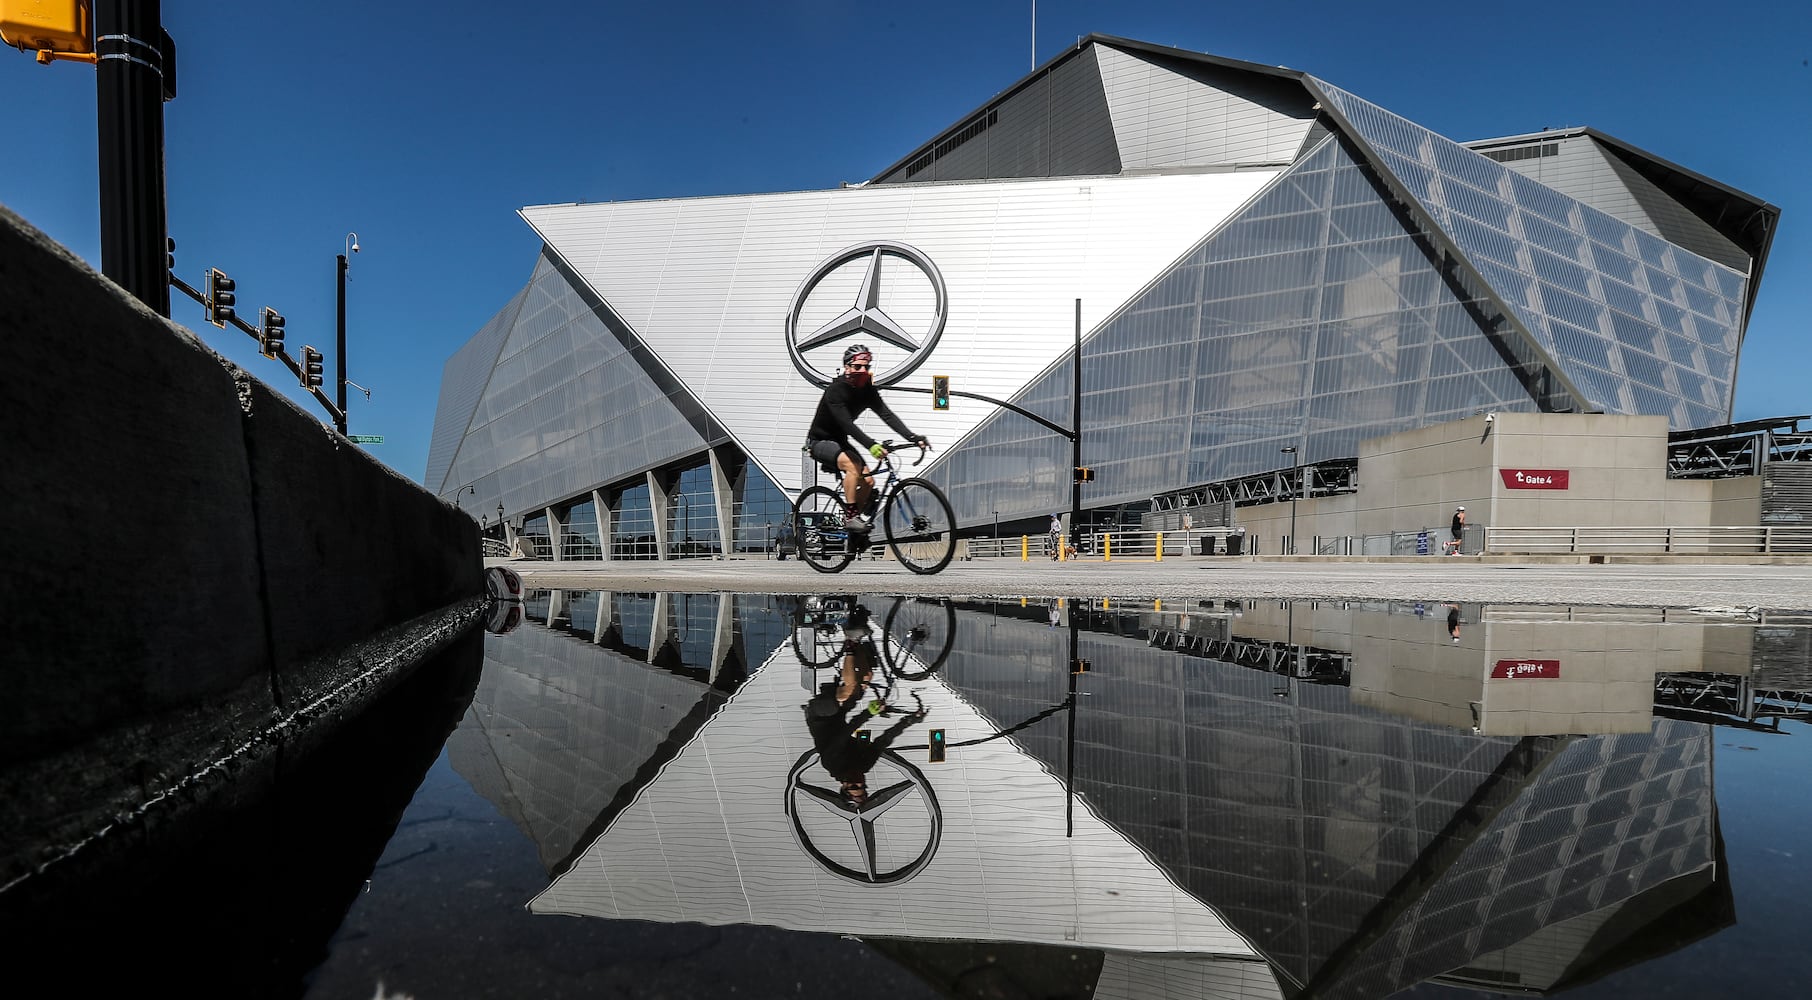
(866, 319)
(909, 806)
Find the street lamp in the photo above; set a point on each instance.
(352, 247)
(1294, 484)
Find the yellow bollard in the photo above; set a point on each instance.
(1107, 548)
(1157, 605)
(1024, 546)
(1160, 557)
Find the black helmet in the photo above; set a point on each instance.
(853, 350)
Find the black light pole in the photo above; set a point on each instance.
(1294, 484)
(1076, 441)
(135, 73)
(352, 246)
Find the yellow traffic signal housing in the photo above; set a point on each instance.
(1084, 474)
(63, 27)
(219, 300)
(940, 392)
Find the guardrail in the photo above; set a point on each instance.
(1127, 544)
(1701, 540)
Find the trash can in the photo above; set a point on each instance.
(1236, 542)
(1207, 546)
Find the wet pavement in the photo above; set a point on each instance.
(637, 791)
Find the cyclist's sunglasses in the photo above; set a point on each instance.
(857, 367)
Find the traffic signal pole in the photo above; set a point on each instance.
(135, 70)
(1073, 432)
(339, 354)
(1076, 439)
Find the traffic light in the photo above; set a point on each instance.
(311, 367)
(940, 392)
(937, 746)
(1084, 474)
(270, 332)
(220, 297)
(170, 254)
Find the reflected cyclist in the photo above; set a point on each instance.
(828, 715)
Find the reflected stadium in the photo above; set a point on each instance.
(1252, 258)
(1232, 798)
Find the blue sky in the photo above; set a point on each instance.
(424, 127)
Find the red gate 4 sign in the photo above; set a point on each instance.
(1534, 479)
(1513, 669)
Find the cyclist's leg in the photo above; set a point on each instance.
(858, 486)
(834, 457)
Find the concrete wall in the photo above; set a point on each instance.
(194, 555)
(1617, 476)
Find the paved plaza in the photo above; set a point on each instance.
(1783, 584)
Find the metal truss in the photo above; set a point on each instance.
(1737, 449)
(1328, 478)
(1729, 699)
(1304, 663)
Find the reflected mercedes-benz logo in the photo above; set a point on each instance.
(909, 805)
(867, 318)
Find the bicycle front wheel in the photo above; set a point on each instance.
(917, 636)
(818, 527)
(920, 526)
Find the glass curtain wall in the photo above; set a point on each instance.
(1638, 324)
(692, 516)
(1313, 318)
(632, 530)
(579, 534)
(566, 406)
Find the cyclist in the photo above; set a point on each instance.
(834, 425)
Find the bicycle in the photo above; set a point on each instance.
(915, 518)
(916, 635)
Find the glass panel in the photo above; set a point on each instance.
(1510, 227)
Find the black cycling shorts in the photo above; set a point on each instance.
(825, 454)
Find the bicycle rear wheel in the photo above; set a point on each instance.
(920, 526)
(818, 527)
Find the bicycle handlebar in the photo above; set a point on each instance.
(887, 446)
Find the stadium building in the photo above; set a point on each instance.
(1252, 258)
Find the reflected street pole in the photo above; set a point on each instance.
(1069, 742)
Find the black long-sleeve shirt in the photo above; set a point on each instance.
(842, 403)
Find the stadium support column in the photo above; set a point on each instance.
(135, 72)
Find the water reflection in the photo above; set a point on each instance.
(1233, 798)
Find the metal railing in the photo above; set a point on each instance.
(1700, 540)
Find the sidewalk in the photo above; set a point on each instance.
(1630, 581)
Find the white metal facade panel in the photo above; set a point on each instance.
(706, 283)
(1162, 977)
(1164, 119)
(710, 841)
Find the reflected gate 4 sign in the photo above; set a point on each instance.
(1516, 669)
